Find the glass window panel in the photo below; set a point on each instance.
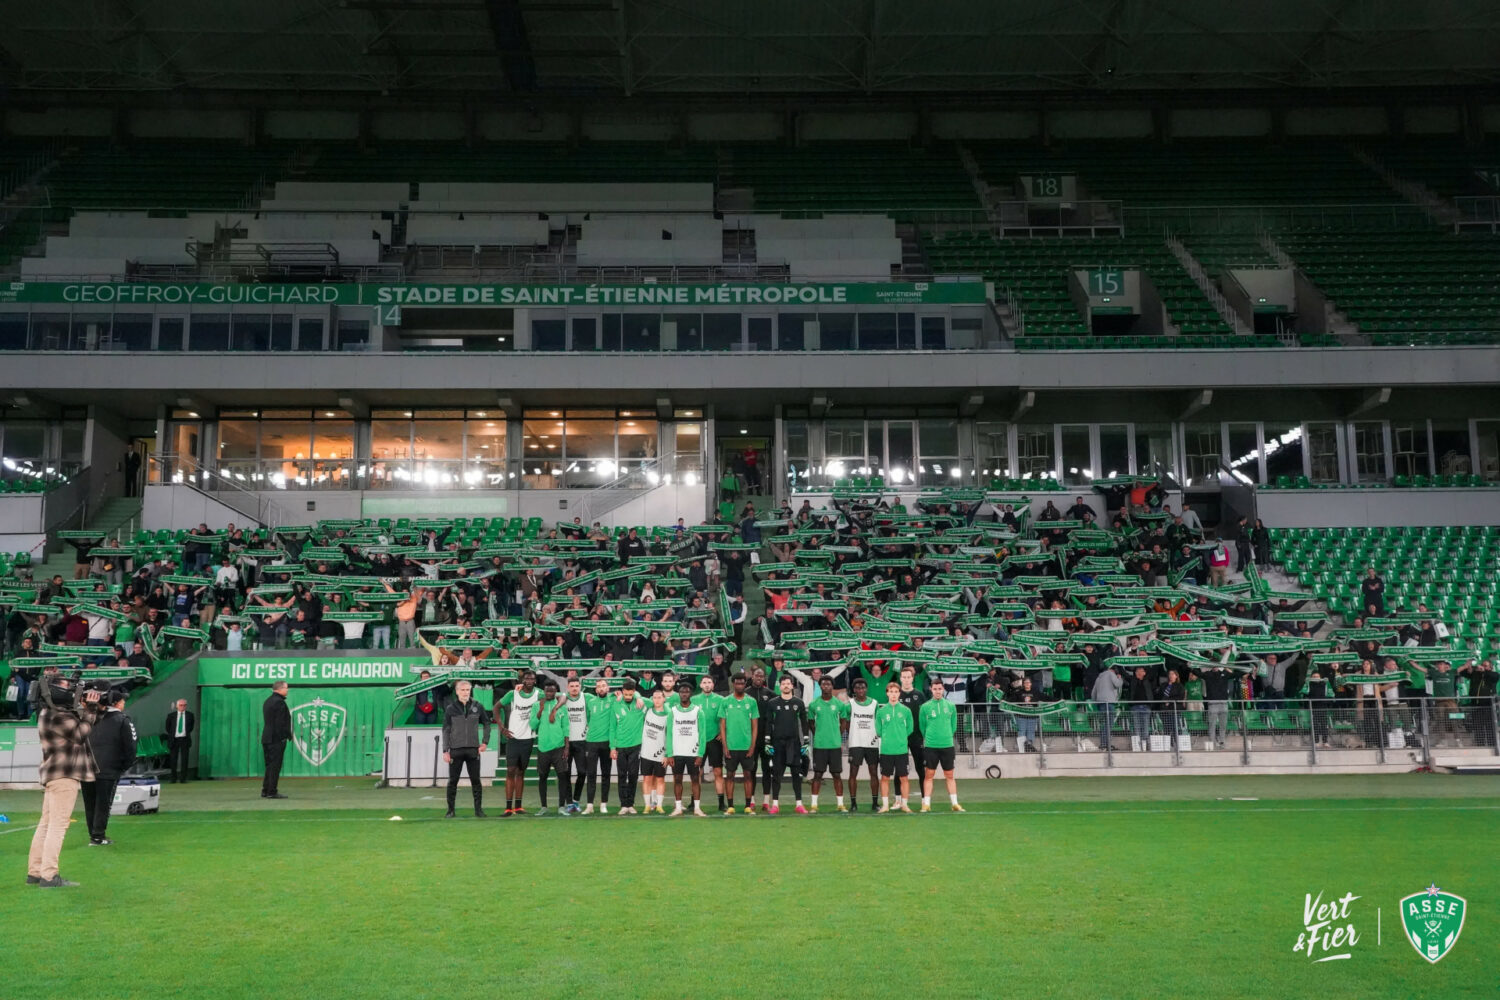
(689, 327)
(252, 332)
(438, 439)
(1450, 446)
(310, 333)
(549, 335)
(637, 438)
(208, 332)
(281, 332)
(354, 334)
(1114, 451)
(71, 441)
(1323, 452)
(288, 443)
(688, 445)
(49, 331)
(906, 331)
(939, 438)
(1154, 450)
(1368, 440)
(91, 331)
(239, 440)
(642, 332)
(791, 330)
(934, 333)
(900, 452)
(585, 333)
(169, 333)
(13, 331)
(132, 331)
(612, 326)
(758, 333)
(1203, 443)
(836, 331)
(1487, 465)
(1409, 449)
(992, 450)
(1034, 451)
(1077, 463)
(1283, 447)
(844, 449)
(721, 331)
(1244, 450)
(877, 332)
(390, 439)
(24, 440)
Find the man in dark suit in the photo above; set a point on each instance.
(275, 732)
(178, 732)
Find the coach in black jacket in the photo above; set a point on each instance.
(277, 729)
(112, 741)
(463, 742)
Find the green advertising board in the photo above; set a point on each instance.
(390, 298)
(341, 706)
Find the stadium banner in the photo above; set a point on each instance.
(341, 706)
(203, 293)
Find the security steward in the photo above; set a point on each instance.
(113, 740)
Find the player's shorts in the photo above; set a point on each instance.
(934, 758)
(864, 755)
(653, 768)
(739, 760)
(518, 752)
(685, 765)
(713, 754)
(893, 765)
(830, 760)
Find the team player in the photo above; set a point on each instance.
(626, 727)
(787, 721)
(685, 746)
(864, 745)
(549, 720)
(577, 706)
(760, 689)
(513, 713)
(893, 726)
(654, 750)
(938, 719)
(913, 697)
(830, 720)
(596, 754)
(713, 752)
(739, 731)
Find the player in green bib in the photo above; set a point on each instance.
(599, 708)
(739, 731)
(893, 727)
(713, 753)
(938, 720)
(549, 720)
(830, 718)
(627, 723)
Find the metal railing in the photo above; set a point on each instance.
(1206, 733)
(602, 499)
(222, 487)
(1251, 219)
(1481, 213)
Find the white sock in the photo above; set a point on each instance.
(839, 799)
(927, 800)
(815, 798)
(799, 802)
(885, 802)
(953, 798)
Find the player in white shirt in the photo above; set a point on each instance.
(513, 715)
(578, 725)
(654, 751)
(687, 742)
(864, 745)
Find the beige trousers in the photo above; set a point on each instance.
(57, 813)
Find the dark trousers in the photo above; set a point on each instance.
(629, 772)
(577, 762)
(98, 796)
(785, 753)
(547, 762)
(914, 747)
(1242, 552)
(458, 759)
(274, 753)
(177, 756)
(596, 765)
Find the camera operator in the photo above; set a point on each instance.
(113, 741)
(63, 730)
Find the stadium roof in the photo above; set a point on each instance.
(441, 49)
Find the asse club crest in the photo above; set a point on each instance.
(1433, 920)
(317, 728)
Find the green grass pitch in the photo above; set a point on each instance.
(1114, 888)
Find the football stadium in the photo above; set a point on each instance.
(953, 499)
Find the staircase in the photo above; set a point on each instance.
(1336, 322)
(914, 264)
(116, 517)
(1208, 288)
(1439, 210)
(988, 196)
